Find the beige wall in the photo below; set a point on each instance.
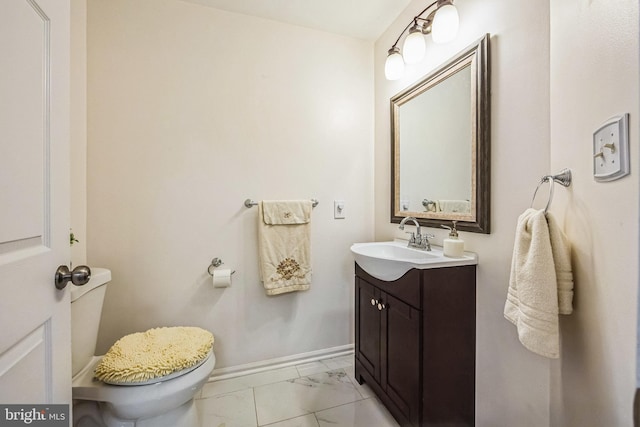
(191, 111)
(594, 76)
(512, 385)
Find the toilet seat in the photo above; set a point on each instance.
(142, 356)
(142, 401)
(156, 379)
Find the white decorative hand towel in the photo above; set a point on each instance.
(284, 241)
(534, 292)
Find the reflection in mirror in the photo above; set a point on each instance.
(448, 136)
(440, 145)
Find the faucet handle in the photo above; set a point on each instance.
(424, 239)
(424, 242)
(413, 236)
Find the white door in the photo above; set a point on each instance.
(35, 350)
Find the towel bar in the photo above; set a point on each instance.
(251, 203)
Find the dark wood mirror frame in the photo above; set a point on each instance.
(478, 220)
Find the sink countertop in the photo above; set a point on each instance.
(390, 260)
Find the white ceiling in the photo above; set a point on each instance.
(363, 19)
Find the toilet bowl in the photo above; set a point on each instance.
(162, 402)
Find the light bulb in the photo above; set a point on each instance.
(445, 24)
(414, 46)
(394, 66)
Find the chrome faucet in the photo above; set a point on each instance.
(417, 240)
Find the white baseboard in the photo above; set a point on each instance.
(280, 362)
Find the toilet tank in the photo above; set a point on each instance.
(86, 310)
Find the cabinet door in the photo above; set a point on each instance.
(368, 327)
(401, 355)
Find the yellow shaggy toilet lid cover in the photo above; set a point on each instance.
(137, 358)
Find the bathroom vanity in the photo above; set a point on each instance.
(415, 343)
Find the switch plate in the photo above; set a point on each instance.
(611, 149)
(338, 209)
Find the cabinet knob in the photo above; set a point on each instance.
(381, 306)
(373, 301)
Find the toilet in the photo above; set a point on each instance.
(162, 402)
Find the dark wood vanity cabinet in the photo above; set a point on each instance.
(415, 344)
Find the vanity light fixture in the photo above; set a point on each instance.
(442, 23)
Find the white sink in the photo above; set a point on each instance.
(391, 260)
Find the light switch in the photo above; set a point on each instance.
(338, 209)
(611, 149)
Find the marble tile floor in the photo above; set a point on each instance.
(316, 394)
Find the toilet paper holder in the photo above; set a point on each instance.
(216, 262)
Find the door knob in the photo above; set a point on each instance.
(79, 276)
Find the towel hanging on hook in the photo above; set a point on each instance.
(563, 178)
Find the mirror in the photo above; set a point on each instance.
(440, 145)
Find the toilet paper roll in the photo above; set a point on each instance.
(221, 278)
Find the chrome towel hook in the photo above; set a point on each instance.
(563, 178)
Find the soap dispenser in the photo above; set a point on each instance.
(453, 246)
